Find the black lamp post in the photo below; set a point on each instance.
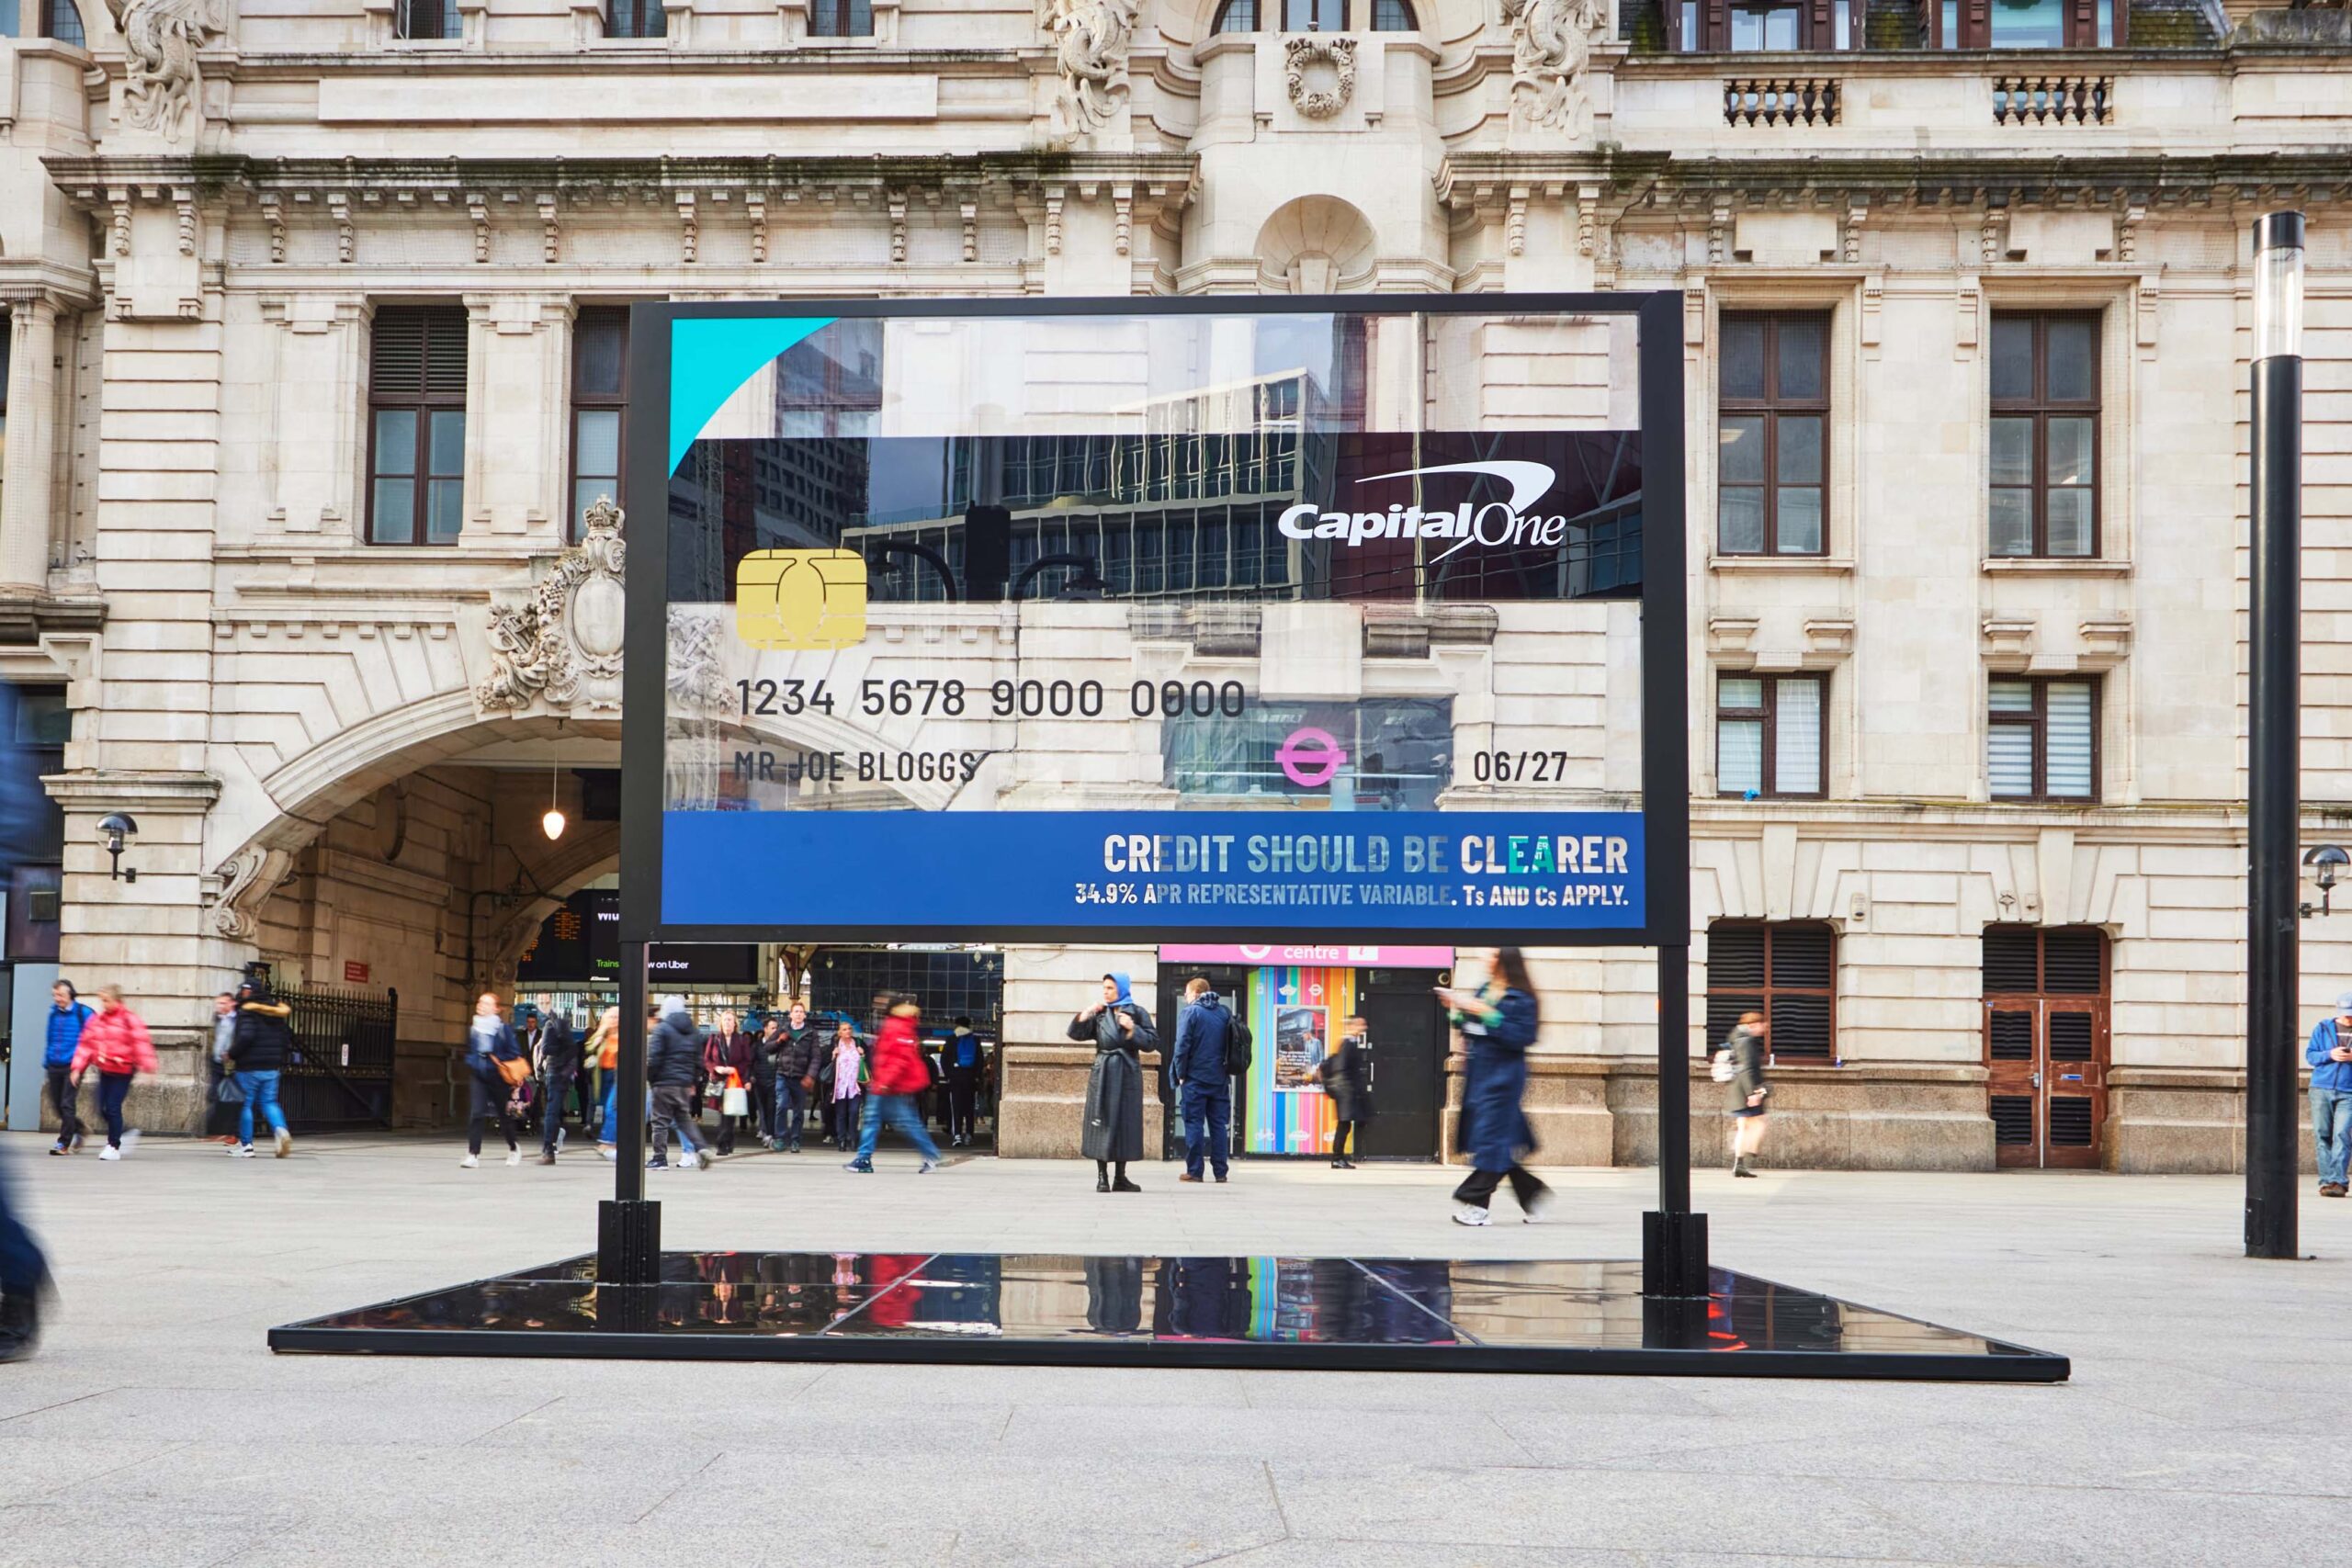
(2273, 744)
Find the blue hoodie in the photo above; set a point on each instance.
(2326, 1074)
(1204, 1030)
(64, 1032)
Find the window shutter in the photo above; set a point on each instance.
(2012, 958)
(396, 359)
(444, 352)
(1735, 958)
(1796, 742)
(1801, 1026)
(2072, 717)
(1801, 956)
(2071, 965)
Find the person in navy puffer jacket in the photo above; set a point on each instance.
(67, 1014)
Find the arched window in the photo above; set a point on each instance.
(1237, 16)
(1315, 16)
(1394, 17)
(61, 20)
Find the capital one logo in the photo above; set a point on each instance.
(1493, 523)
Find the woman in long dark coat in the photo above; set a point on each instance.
(1498, 1024)
(1347, 1078)
(1120, 1028)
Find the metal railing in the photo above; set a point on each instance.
(340, 1073)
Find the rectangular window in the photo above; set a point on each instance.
(2041, 739)
(1767, 736)
(1772, 436)
(636, 18)
(841, 18)
(2043, 439)
(1756, 27)
(1787, 971)
(1315, 16)
(61, 20)
(416, 424)
(599, 409)
(2024, 24)
(424, 20)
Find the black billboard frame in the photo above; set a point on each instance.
(1674, 1240)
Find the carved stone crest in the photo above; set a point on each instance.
(562, 644)
(1551, 46)
(160, 39)
(1301, 54)
(1090, 42)
(247, 879)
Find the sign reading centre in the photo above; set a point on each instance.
(1165, 617)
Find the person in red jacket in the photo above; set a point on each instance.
(116, 1043)
(898, 1073)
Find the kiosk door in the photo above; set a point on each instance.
(1407, 1029)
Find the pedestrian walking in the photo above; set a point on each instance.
(1498, 1024)
(115, 1042)
(798, 1046)
(963, 1062)
(259, 1044)
(2330, 1055)
(673, 1067)
(898, 1073)
(1750, 1095)
(727, 1064)
(221, 1095)
(24, 1276)
(559, 1054)
(1347, 1078)
(67, 1015)
(1204, 1081)
(1120, 1030)
(763, 1038)
(495, 1068)
(604, 1048)
(841, 1076)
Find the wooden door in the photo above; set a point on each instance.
(2046, 1043)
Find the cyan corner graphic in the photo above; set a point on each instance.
(711, 356)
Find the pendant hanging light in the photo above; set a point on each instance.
(553, 821)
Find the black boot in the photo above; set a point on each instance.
(1123, 1184)
(1101, 1176)
(20, 1325)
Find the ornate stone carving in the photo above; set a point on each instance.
(1090, 42)
(561, 645)
(1550, 48)
(160, 39)
(697, 671)
(247, 879)
(1302, 53)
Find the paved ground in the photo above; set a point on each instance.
(2210, 1419)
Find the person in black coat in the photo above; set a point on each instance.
(798, 1049)
(1120, 1029)
(673, 1068)
(1347, 1078)
(257, 1053)
(559, 1064)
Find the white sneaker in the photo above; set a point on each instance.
(243, 1151)
(109, 1152)
(562, 1133)
(285, 1143)
(129, 1139)
(469, 1162)
(608, 1151)
(514, 1156)
(1467, 1215)
(688, 1161)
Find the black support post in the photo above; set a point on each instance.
(2274, 756)
(628, 1225)
(1674, 1240)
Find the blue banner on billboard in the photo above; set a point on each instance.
(1534, 873)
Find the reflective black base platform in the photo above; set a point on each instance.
(1413, 1314)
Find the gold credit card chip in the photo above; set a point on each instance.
(801, 599)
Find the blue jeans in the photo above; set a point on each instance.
(791, 1108)
(899, 1109)
(261, 1090)
(609, 1130)
(2331, 1133)
(1208, 1108)
(113, 1089)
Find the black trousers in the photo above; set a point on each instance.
(963, 1098)
(62, 1096)
(489, 1105)
(1478, 1187)
(1350, 1135)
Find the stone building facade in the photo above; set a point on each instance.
(1966, 330)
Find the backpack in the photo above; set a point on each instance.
(1237, 1041)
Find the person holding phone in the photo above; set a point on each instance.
(1498, 1024)
(1120, 1029)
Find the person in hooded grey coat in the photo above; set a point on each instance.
(1120, 1029)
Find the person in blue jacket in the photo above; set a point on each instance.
(1204, 1030)
(1498, 1023)
(2330, 1055)
(67, 1014)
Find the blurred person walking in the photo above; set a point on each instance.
(1750, 1094)
(1498, 1024)
(673, 1068)
(1203, 1085)
(259, 1044)
(221, 1094)
(559, 1054)
(898, 1073)
(963, 1061)
(67, 1015)
(763, 1076)
(1347, 1078)
(24, 1276)
(116, 1043)
(840, 1084)
(496, 1068)
(1120, 1029)
(604, 1048)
